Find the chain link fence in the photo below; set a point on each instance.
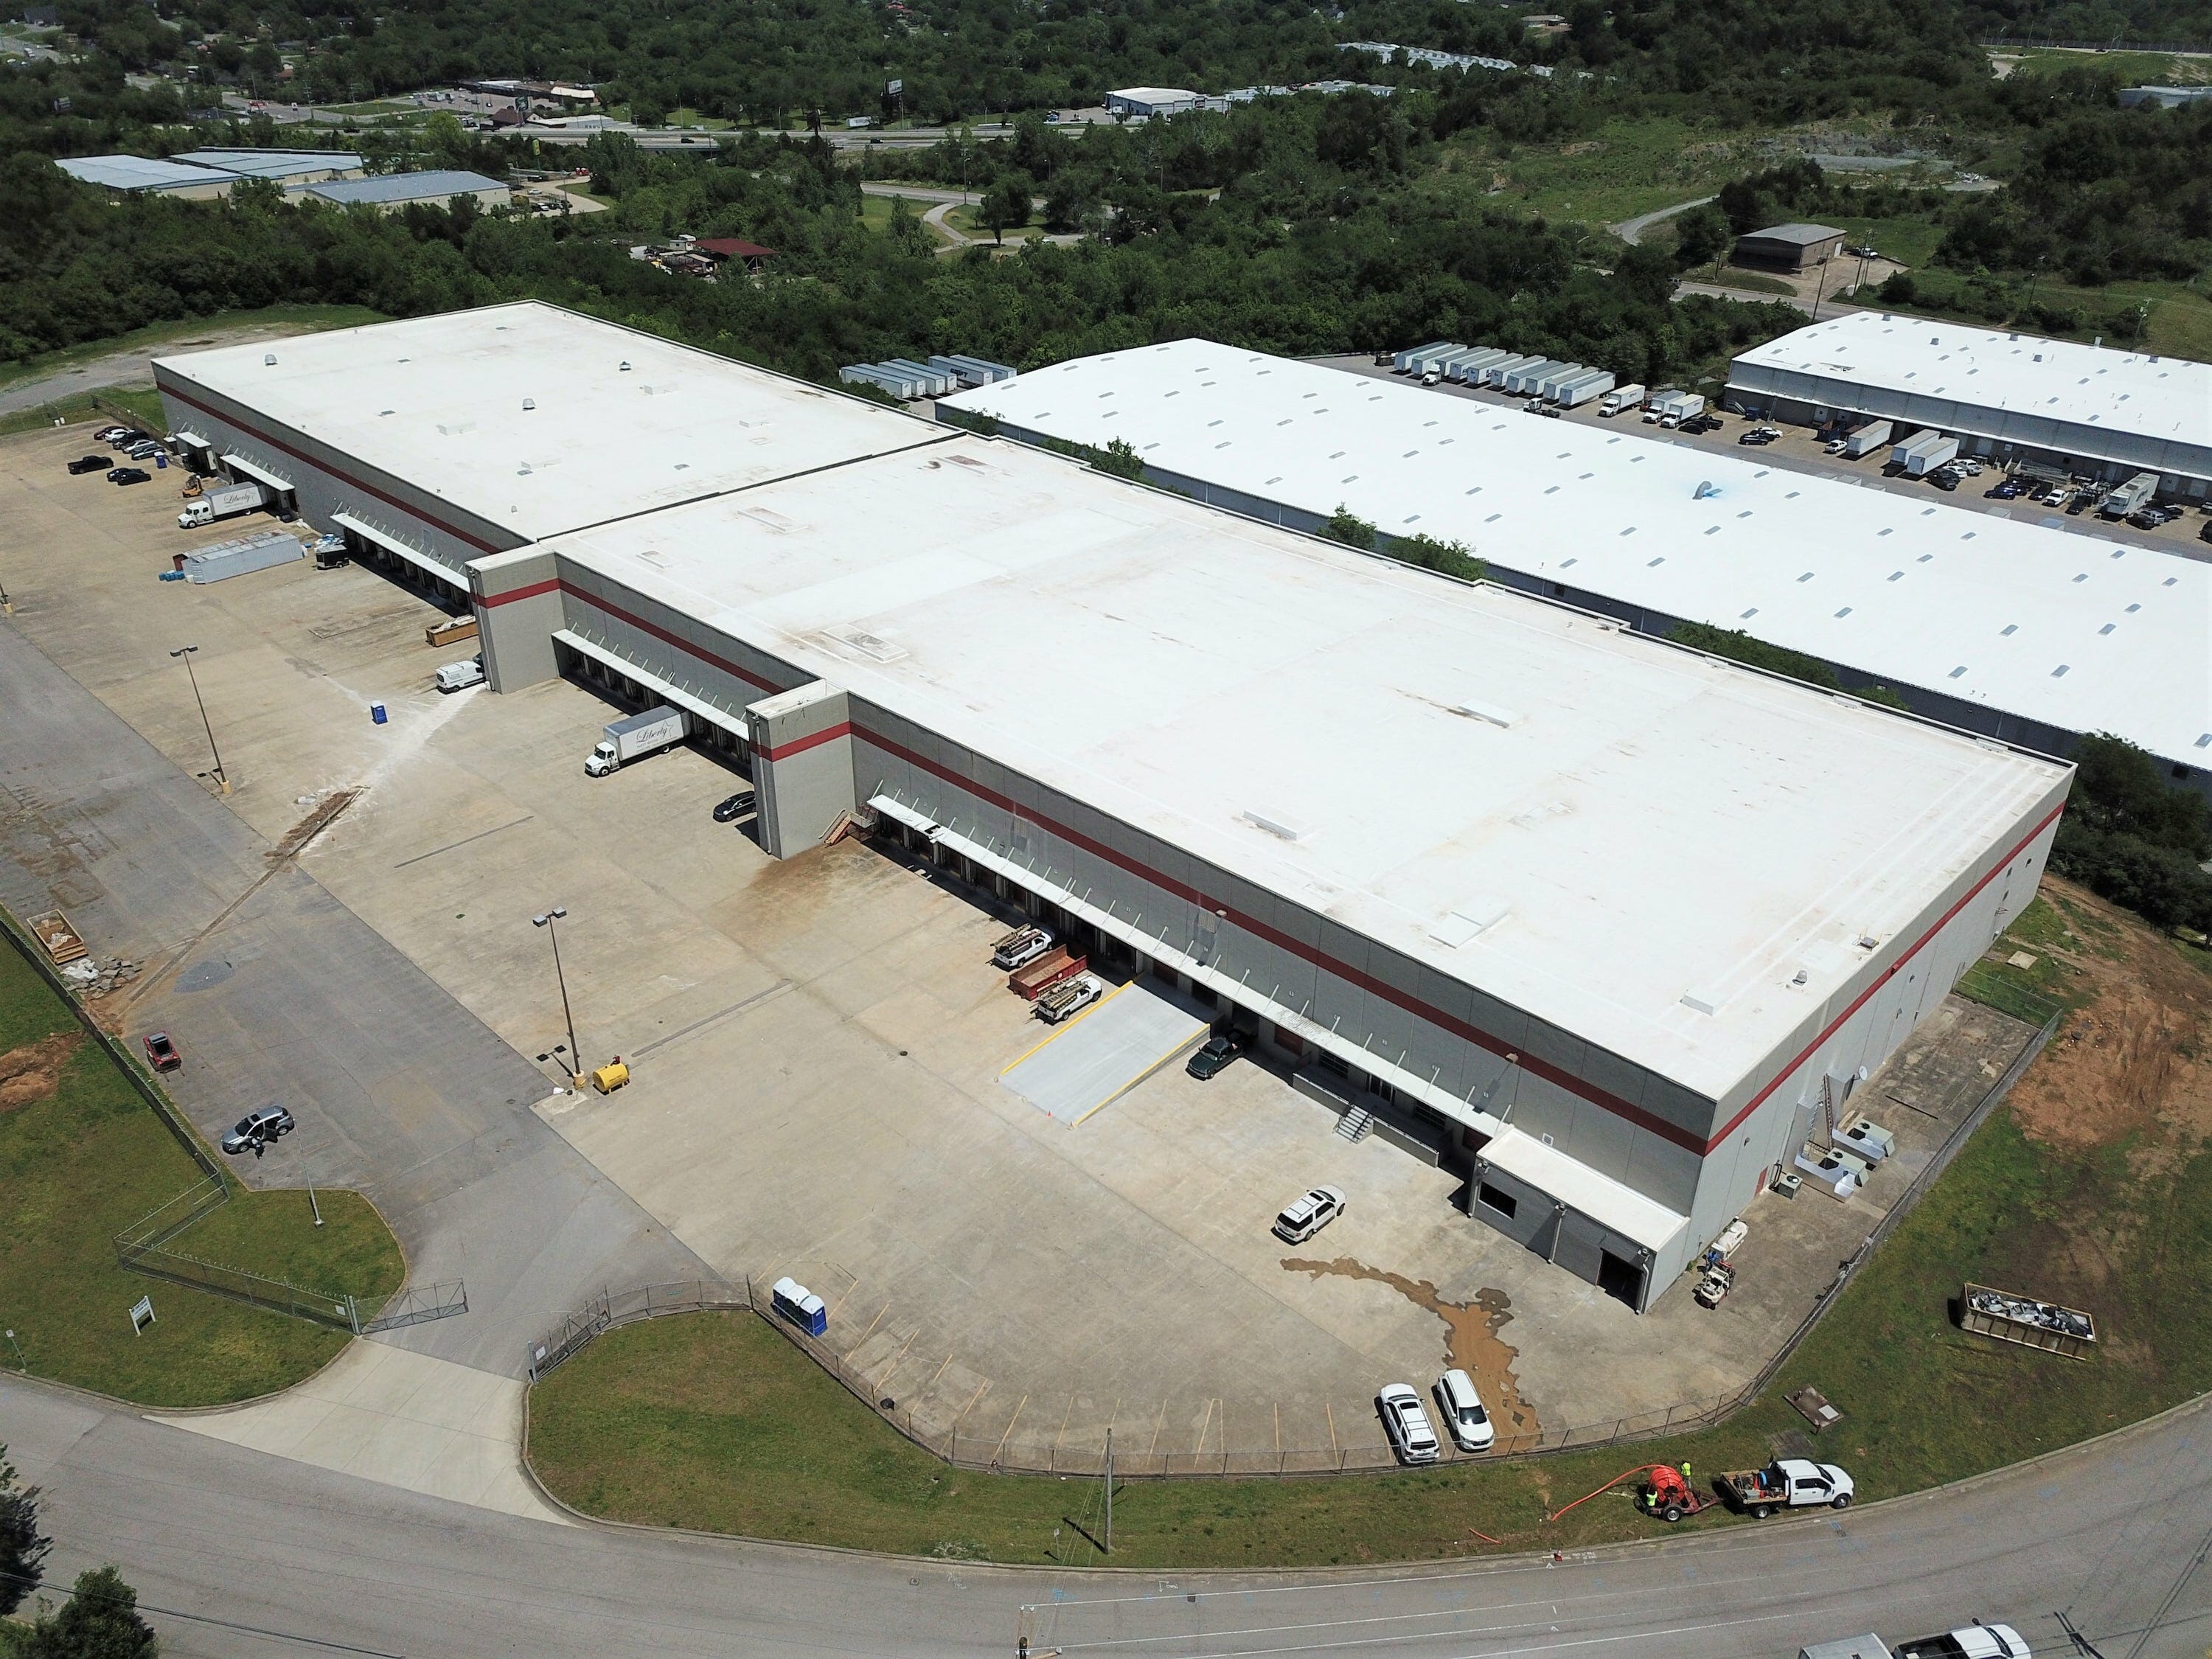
(1367, 1452)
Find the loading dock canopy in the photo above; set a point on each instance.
(1616, 1208)
(1232, 991)
(260, 475)
(667, 690)
(192, 440)
(397, 548)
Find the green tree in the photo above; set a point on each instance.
(22, 1546)
(1702, 236)
(1344, 526)
(100, 1620)
(1449, 558)
(1119, 458)
(1737, 646)
(1006, 205)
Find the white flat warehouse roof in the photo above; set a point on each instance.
(2150, 397)
(2077, 632)
(1587, 823)
(438, 402)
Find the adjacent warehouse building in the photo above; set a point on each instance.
(2102, 413)
(141, 175)
(391, 192)
(1789, 247)
(288, 168)
(1609, 922)
(2023, 633)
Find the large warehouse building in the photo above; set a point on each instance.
(2102, 413)
(2023, 633)
(1610, 921)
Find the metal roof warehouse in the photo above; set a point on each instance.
(2024, 633)
(1606, 920)
(2109, 412)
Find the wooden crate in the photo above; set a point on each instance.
(60, 938)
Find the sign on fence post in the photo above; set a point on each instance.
(141, 1315)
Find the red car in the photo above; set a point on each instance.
(161, 1054)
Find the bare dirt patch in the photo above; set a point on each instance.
(2133, 1060)
(33, 1071)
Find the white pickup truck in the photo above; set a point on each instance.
(1789, 1483)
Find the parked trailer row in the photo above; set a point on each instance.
(1868, 439)
(1516, 374)
(1923, 453)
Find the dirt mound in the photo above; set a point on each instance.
(33, 1071)
(2138, 1053)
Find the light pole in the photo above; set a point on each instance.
(187, 651)
(547, 922)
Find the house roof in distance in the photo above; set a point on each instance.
(2138, 393)
(623, 421)
(1797, 235)
(2068, 629)
(437, 186)
(1640, 843)
(139, 173)
(732, 247)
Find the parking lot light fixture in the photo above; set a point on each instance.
(187, 651)
(549, 921)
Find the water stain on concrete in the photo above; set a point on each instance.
(1471, 1335)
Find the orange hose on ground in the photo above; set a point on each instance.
(1627, 1474)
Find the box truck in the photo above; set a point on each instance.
(1868, 439)
(1620, 397)
(1676, 407)
(221, 502)
(636, 737)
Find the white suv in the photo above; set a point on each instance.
(1465, 1420)
(1307, 1214)
(1407, 1424)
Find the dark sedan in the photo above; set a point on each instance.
(1215, 1053)
(129, 475)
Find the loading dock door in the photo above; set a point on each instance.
(1619, 1278)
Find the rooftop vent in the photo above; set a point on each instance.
(625, 367)
(529, 403)
(268, 360)
(1494, 714)
(1705, 1002)
(1276, 825)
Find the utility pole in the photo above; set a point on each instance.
(1820, 290)
(549, 921)
(1110, 1491)
(187, 651)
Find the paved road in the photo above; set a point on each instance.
(132, 366)
(251, 1546)
(1631, 231)
(400, 1090)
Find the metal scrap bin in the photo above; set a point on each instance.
(1987, 1312)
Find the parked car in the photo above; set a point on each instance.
(161, 1052)
(90, 464)
(1836, 445)
(108, 435)
(2080, 504)
(1214, 1055)
(2204, 530)
(1407, 1424)
(1974, 1641)
(1307, 1214)
(1465, 1420)
(144, 450)
(1943, 479)
(258, 1129)
(736, 807)
(129, 475)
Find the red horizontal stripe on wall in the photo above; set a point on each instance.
(815, 740)
(550, 585)
(330, 472)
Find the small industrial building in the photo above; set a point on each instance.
(1789, 247)
(2104, 413)
(1154, 100)
(2025, 634)
(143, 175)
(1607, 924)
(391, 192)
(750, 257)
(288, 168)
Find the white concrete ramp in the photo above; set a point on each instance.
(406, 1419)
(1104, 1053)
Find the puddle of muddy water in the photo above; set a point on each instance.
(1471, 1334)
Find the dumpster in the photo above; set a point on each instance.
(800, 1306)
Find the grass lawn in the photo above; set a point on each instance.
(81, 1160)
(1630, 166)
(876, 216)
(715, 1421)
(93, 409)
(692, 117)
(304, 317)
(2177, 317)
(2133, 69)
(1908, 241)
(963, 218)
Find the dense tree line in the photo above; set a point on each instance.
(2134, 838)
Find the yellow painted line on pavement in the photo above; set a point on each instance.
(1173, 1049)
(1058, 1031)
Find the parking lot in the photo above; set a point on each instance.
(1800, 451)
(818, 1048)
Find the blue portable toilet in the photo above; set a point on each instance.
(376, 713)
(800, 1306)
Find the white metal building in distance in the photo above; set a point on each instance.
(2105, 413)
(1605, 922)
(388, 192)
(141, 175)
(2027, 634)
